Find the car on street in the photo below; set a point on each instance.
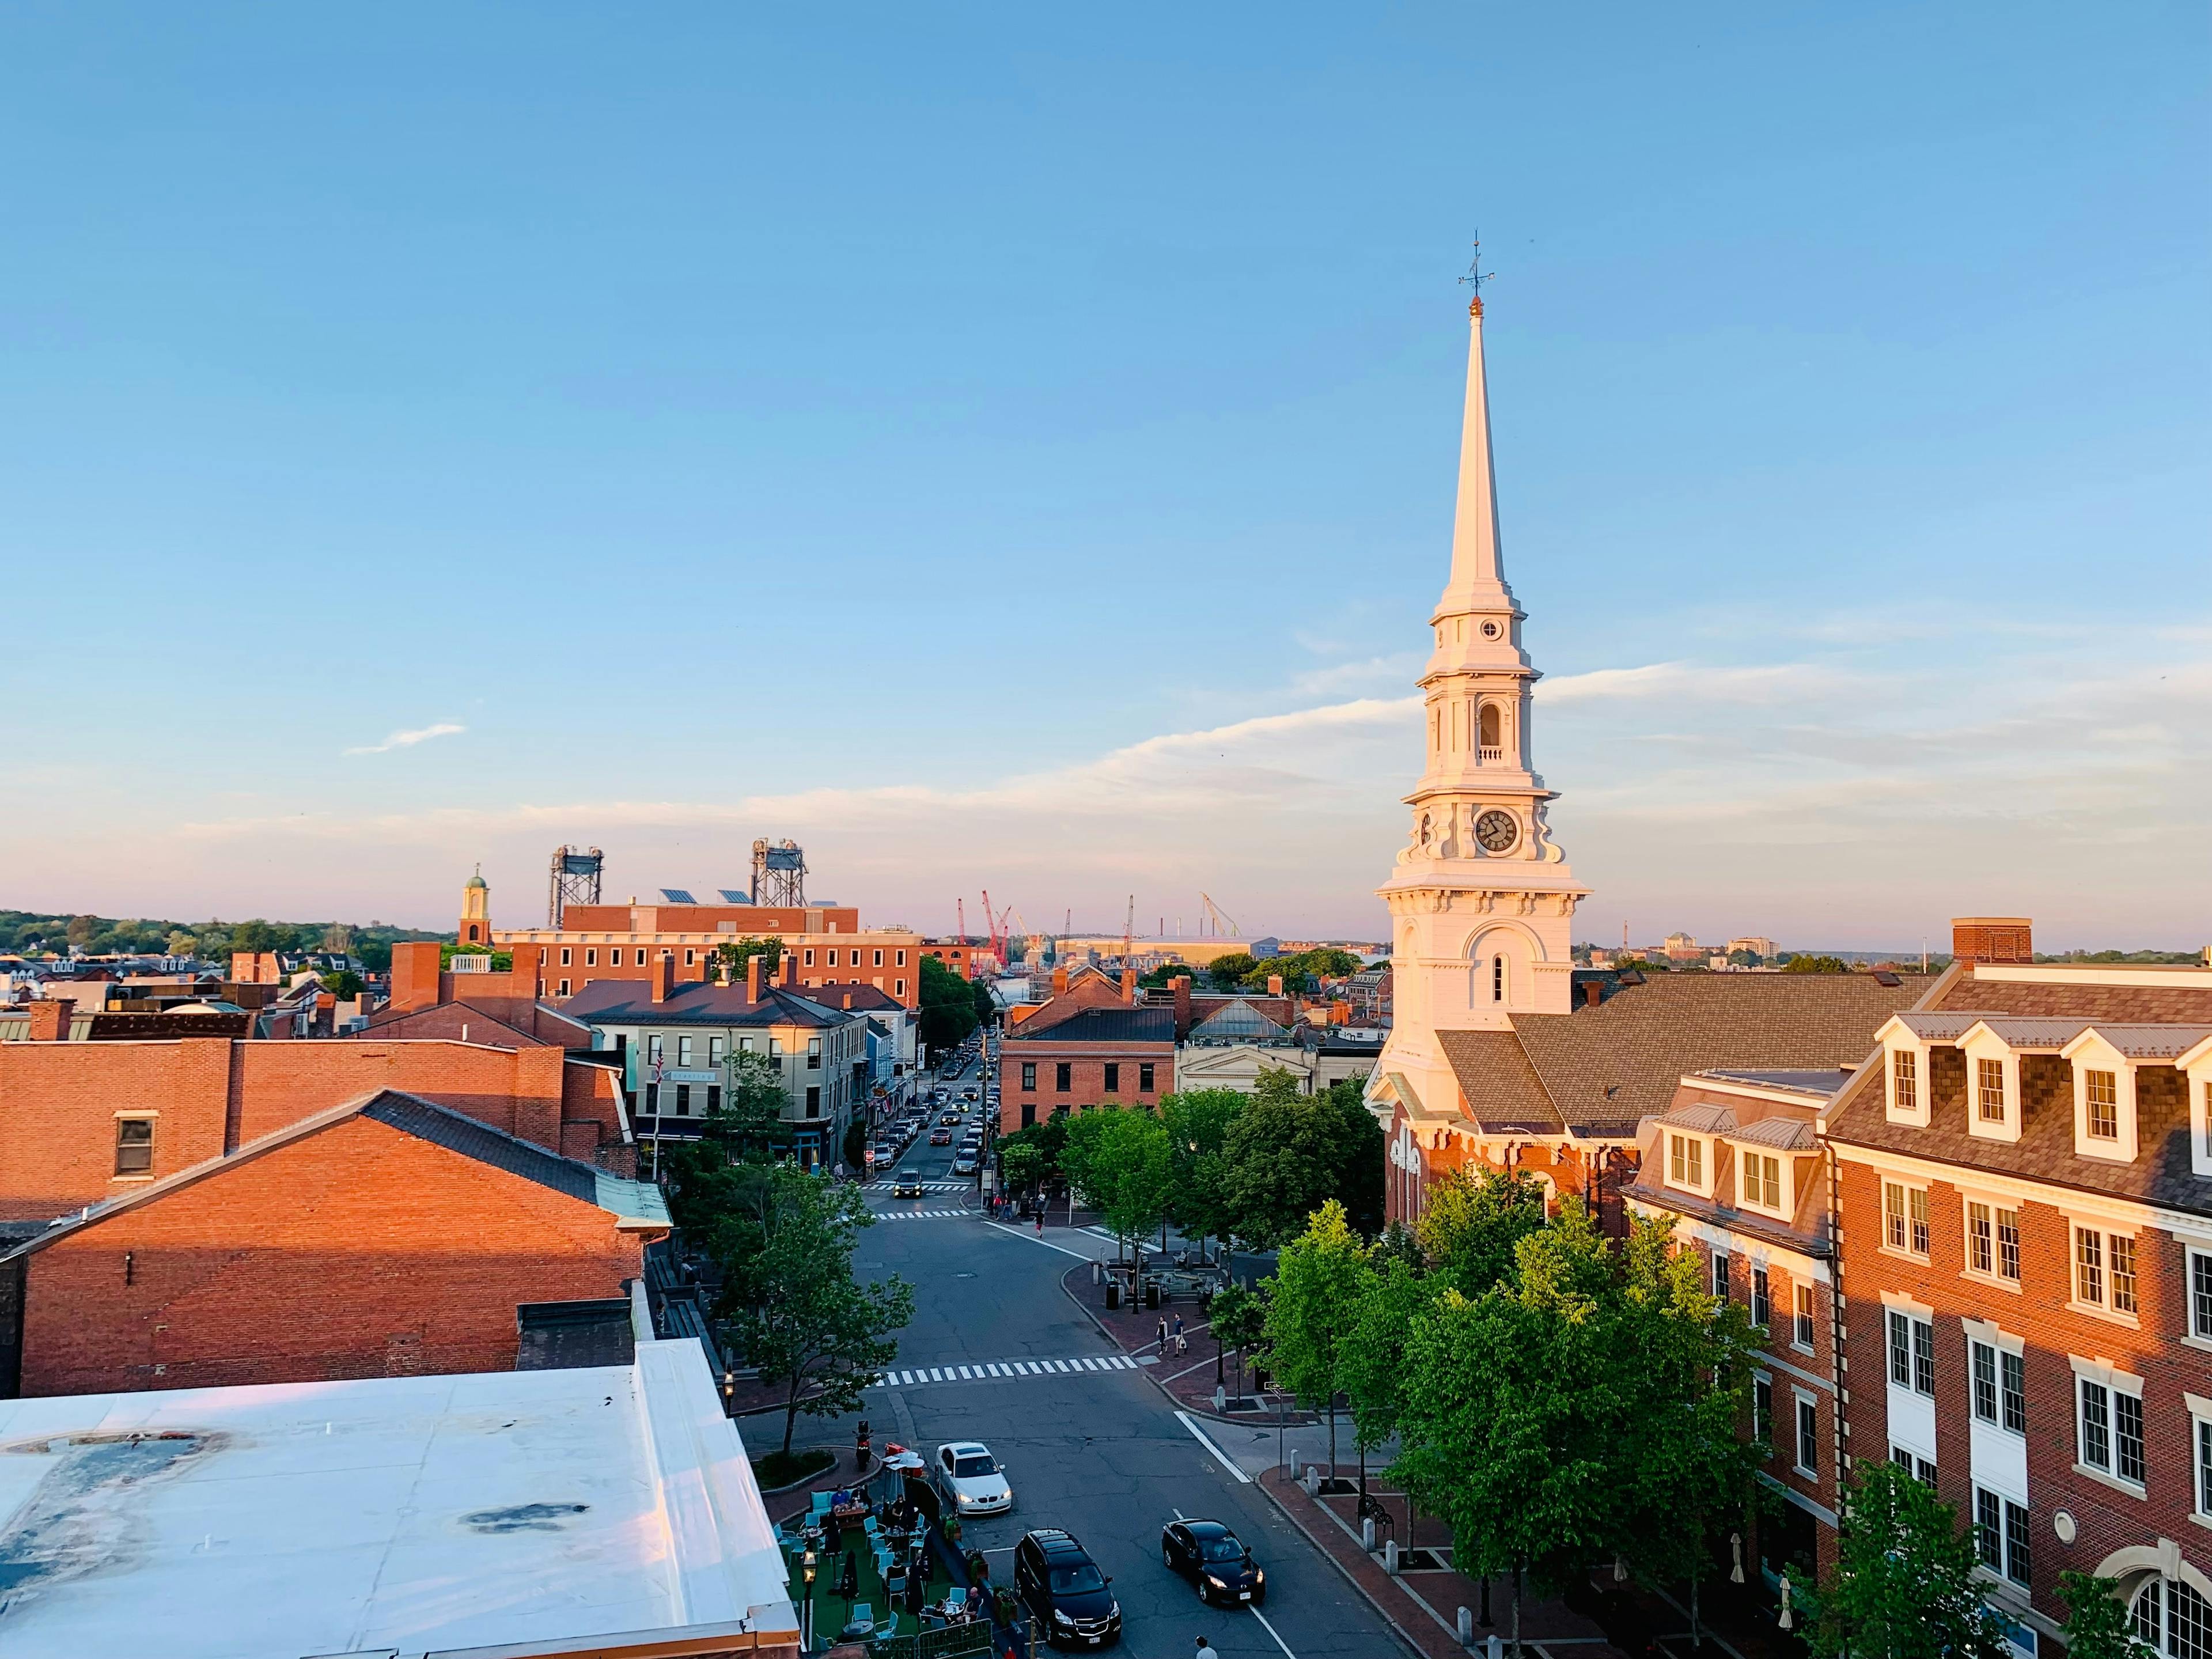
(971, 1480)
(964, 1164)
(950, 1118)
(1056, 1577)
(1215, 1559)
(907, 1186)
(968, 1094)
(941, 1138)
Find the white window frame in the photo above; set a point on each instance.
(1923, 1230)
(1919, 1342)
(1969, 1201)
(2197, 1295)
(2196, 1066)
(1784, 1175)
(2093, 1373)
(2091, 1052)
(1915, 1115)
(1804, 1314)
(1699, 1146)
(1982, 1044)
(1803, 1402)
(2003, 1571)
(2103, 1306)
(2200, 1457)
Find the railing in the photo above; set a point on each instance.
(1489, 754)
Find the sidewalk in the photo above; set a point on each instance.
(1187, 1378)
(1422, 1600)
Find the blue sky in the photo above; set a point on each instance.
(1013, 447)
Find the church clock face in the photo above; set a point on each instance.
(1497, 831)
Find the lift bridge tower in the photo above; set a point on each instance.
(779, 873)
(575, 880)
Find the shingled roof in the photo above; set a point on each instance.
(1595, 1072)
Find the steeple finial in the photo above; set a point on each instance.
(1477, 570)
(1475, 278)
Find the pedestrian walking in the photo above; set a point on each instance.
(1160, 1335)
(1040, 1220)
(1205, 1651)
(1181, 1346)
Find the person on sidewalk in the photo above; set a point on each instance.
(1160, 1335)
(1205, 1651)
(1181, 1346)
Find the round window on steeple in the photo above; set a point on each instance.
(1490, 630)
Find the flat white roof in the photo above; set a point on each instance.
(407, 1513)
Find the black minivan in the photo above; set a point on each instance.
(1063, 1589)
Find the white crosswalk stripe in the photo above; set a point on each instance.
(993, 1370)
(926, 1186)
(918, 1215)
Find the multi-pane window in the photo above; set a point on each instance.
(1919, 1468)
(2008, 1245)
(1990, 1090)
(2012, 1387)
(1984, 1367)
(1063, 1077)
(1113, 1077)
(684, 1051)
(814, 1053)
(134, 1146)
(1911, 1352)
(1808, 1437)
(2203, 1426)
(1686, 1160)
(1981, 1239)
(1762, 1181)
(1905, 1074)
(2128, 1437)
(1720, 1274)
(2105, 1270)
(1762, 1409)
(1762, 1307)
(1029, 1074)
(2093, 1421)
(1800, 1331)
(2200, 1294)
(814, 1101)
(1905, 1216)
(2100, 1095)
(1145, 1075)
(2001, 1534)
(715, 1049)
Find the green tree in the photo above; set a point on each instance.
(1228, 972)
(259, 935)
(855, 1147)
(1049, 1137)
(1239, 1320)
(1321, 1285)
(1816, 965)
(2098, 1623)
(1021, 1164)
(985, 1007)
(1117, 1159)
(80, 932)
(1374, 1361)
(1279, 1162)
(752, 1124)
(734, 956)
(1197, 1122)
(794, 1307)
(1473, 1222)
(1904, 1584)
(1358, 1141)
(948, 1006)
(343, 984)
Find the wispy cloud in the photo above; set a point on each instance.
(1693, 682)
(408, 739)
(1397, 669)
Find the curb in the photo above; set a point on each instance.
(1343, 1571)
(806, 1484)
(1173, 1399)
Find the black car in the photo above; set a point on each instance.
(1061, 1586)
(1215, 1559)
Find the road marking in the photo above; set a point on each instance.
(1219, 1457)
(1023, 1232)
(1003, 1370)
(915, 1215)
(1273, 1632)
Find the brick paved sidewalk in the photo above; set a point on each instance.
(1187, 1377)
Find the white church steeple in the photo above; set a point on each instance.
(1481, 902)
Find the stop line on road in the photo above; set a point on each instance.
(1004, 1370)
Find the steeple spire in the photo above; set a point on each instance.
(1476, 567)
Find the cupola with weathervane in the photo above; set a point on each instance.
(476, 910)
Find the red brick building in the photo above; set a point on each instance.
(1090, 1043)
(84, 1122)
(384, 1237)
(2025, 1185)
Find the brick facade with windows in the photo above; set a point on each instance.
(1090, 1043)
(2025, 1188)
(384, 1239)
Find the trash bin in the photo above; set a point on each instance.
(1113, 1294)
(1151, 1293)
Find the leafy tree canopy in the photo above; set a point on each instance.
(948, 1005)
(1816, 965)
(1287, 1153)
(1903, 1584)
(1473, 1223)
(29, 933)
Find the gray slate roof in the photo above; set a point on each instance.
(629, 1002)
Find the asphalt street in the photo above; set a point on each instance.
(1096, 1449)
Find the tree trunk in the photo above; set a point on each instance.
(790, 1418)
(1516, 1608)
(1332, 1437)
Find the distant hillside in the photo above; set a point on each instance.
(27, 932)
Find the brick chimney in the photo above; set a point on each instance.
(1593, 992)
(787, 968)
(1058, 980)
(663, 976)
(1274, 985)
(50, 1020)
(849, 1002)
(1993, 939)
(415, 975)
(1181, 983)
(1128, 985)
(753, 978)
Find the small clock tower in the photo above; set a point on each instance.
(1481, 902)
(476, 912)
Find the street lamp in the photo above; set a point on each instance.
(806, 1565)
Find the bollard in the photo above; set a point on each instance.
(1496, 1647)
(1367, 1534)
(1466, 1627)
(1313, 1481)
(1220, 1398)
(1390, 1557)
(1098, 1272)
(1293, 1464)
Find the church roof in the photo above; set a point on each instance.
(1596, 1071)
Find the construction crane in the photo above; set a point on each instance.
(1218, 915)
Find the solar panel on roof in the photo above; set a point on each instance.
(678, 896)
(734, 896)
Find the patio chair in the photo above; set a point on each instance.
(818, 1507)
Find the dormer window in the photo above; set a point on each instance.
(1686, 1162)
(1760, 1181)
(2100, 1102)
(1989, 1091)
(1905, 1080)
(1993, 1100)
(2103, 1098)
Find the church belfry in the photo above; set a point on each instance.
(475, 911)
(1481, 900)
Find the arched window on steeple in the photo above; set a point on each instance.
(1493, 746)
(1496, 977)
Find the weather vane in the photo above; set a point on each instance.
(1476, 276)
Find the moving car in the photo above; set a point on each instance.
(1060, 1584)
(964, 1164)
(971, 1480)
(941, 1138)
(1215, 1559)
(907, 1186)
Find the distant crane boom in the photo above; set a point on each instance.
(1220, 916)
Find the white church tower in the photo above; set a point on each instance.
(1481, 903)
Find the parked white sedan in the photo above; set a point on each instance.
(971, 1480)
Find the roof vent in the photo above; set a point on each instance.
(1883, 977)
